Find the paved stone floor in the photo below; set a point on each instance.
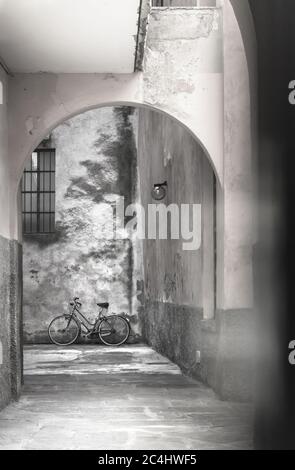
(94, 397)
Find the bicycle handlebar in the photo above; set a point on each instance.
(76, 301)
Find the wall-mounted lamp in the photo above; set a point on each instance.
(159, 191)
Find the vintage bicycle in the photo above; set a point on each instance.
(112, 330)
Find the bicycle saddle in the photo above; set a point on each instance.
(103, 305)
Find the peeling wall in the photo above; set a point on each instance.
(181, 320)
(183, 71)
(168, 153)
(95, 162)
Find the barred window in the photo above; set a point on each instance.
(38, 193)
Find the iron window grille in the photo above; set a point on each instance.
(38, 193)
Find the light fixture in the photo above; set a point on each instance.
(159, 191)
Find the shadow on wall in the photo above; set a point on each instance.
(95, 162)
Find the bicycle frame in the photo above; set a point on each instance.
(83, 321)
(111, 329)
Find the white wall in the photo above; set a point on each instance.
(237, 234)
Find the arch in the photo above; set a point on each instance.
(48, 130)
(98, 93)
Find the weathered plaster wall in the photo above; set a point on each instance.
(180, 316)
(10, 274)
(227, 341)
(5, 337)
(95, 162)
(179, 284)
(10, 319)
(168, 153)
(183, 71)
(16, 316)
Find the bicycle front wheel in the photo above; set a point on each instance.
(63, 330)
(113, 330)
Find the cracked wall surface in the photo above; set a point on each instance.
(95, 163)
(183, 70)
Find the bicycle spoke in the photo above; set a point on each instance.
(63, 331)
(114, 330)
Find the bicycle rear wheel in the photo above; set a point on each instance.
(63, 330)
(113, 330)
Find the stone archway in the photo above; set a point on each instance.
(39, 102)
(175, 154)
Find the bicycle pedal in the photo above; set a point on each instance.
(92, 335)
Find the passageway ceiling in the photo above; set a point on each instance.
(68, 36)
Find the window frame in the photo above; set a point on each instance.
(46, 216)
